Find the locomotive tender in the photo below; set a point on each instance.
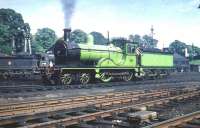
(25, 65)
(87, 61)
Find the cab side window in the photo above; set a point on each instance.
(130, 49)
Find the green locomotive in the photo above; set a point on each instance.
(86, 61)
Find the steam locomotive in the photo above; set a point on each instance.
(86, 61)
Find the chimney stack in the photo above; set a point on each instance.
(67, 32)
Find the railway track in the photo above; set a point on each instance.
(101, 114)
(80, 101)
(30, 114)
(28, 88)
(23, 87)
(77, 102)
(7, 87)
(191, 120)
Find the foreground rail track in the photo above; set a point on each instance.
(43, 113)
(191, 120)
(44, 105)
(77, 102)
(102, 114)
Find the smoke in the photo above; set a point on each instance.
(68, 9)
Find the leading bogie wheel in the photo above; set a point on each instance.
(67, 79)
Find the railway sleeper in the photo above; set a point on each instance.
(102, 115)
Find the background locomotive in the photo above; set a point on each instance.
(24, 65)
(86, 61)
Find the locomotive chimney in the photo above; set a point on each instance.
(67, 32)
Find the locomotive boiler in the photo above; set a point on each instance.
(84, 54)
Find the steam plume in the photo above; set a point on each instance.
(68, 9)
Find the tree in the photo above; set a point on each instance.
(120, 42)
(149, 42)
(5, 45)
(144, 42)
(193, 51)
(12, 27)
(43, 39)
(79, 36)
(99, 38)
(178, 47)
(135, 38)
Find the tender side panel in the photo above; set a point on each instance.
(157, 60)
(18, 63)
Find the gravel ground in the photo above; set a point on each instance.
(175, 80)
(180, 108)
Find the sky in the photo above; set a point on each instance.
(171, 19)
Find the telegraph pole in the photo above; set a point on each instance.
(152, 33)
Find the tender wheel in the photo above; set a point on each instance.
(85, 78)
(67, 79)
(128, 76)
(105, 78)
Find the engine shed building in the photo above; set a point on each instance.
(181, 63)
